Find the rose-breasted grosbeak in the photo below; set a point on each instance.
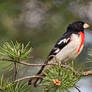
(66, 48)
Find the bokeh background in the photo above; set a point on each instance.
(42, 22)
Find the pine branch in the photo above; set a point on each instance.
(28, 77)
(37, 76)
(15, 70)
(78, 89)
(65, 66)
(24, 63)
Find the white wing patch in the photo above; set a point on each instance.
(57, 50)
(64, 41)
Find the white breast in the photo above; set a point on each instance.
(70, 50)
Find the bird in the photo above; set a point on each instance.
(67, 48)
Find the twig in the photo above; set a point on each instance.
(24, 63)
(28, 64)
(15, 70)
(66, 66)
(28, 77)
(78, 89)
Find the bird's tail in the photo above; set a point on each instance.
(35, 81)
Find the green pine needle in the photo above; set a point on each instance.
(6, 86)
(15, 51)
(59, 79)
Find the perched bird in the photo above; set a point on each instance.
(68, 47)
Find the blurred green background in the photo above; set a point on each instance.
(41, 22)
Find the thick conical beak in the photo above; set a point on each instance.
(85, 25)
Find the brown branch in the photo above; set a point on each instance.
(24, 63)
(78, 89)
(28, 77)
(65, 66)
(15, 70)
(28, 64)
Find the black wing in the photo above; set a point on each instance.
(60, 44)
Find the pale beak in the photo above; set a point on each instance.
(85, 25)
